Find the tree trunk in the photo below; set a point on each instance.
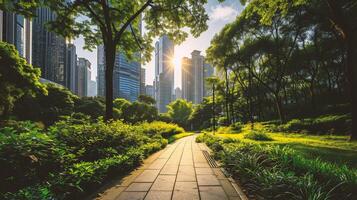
(227, 95)
(351, 41)
(109, 67)
(279, 107)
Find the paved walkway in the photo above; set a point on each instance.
(183, 170)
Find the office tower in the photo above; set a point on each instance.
(142, 80)
(208, 72)
(84, 74)
(164, 73)
(149, 90)
(126, 76)
(71, 65)
(17, 30)
(178, 93)
(100, 71)
(197, 65)
(187, 81)
(194, 74)
(49, 49)
(92, 88)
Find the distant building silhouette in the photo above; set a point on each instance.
(164, 73)
(84, 75)
(142, 81)
(149, 91)
(178, 93)
(194, 73)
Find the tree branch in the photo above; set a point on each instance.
(135, 37)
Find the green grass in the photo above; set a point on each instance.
(331, 148)
(179, 136)
(293, 166)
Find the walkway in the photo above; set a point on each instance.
(183, 170)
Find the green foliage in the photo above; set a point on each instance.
(146, 99)
(164, 129)
(178, 136)
(180, 111)
(17, 78)
(275, 172)
(139, 112)
(92, 106)
(237, 126)
(326, 124)
(72, 156)
(46, 108)
(258, 136)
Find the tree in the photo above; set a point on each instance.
(92, 106)
(146, 99)
(342, 15)
(140, 112)
(115, 24)
(120, 105)
(180, 112)
(47, 108)
(17, 78)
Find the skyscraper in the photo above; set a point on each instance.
(17, 30)
(194, 73)
(100, 71)
(84, 76)
(92, 88)
(178, 93)
(72, 70)
(142, 80)
(49, 49)
(164, 73)
(126, 76)
(187, 81)
(149, 90)
(208, 71)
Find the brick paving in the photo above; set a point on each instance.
(179, 172)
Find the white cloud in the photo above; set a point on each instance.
(223, 13)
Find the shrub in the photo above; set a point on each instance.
(164, 129)
(71, 157)
(258, 136)
(237, 127)
(27, 156)
(275, 172)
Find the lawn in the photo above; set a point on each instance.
(179, 136)
(330, 148)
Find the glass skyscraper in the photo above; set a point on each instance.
(126, 76)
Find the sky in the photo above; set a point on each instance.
(219, 15)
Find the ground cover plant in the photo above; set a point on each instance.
(73, 156)
(272, 171)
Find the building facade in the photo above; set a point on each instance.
(71, 65)
(142, 81)
(194, 73)
(17, 30)
(100, 71)
(92, 88)
(84, 76)
(164, 73)
(149, 91)
(178, 93)
(126, 76)
(49, 49)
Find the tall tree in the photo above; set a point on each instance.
(115, 24)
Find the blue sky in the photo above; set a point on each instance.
(219, 14)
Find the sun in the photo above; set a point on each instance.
(176, 62)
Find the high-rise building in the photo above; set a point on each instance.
(142, 80)
(17, 30)
(72, 70)
(49, 49)
(149, 90)
(92, 88)
(100, 71)
(194, 73)
(84, 75)
(187, 81)
(164, 73)
(208, 72)
(178, 93)
(126, 76)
